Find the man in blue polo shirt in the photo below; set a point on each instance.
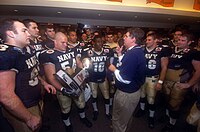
(129, 78)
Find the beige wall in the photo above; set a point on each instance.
(181, 7)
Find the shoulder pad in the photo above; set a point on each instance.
(82, 44)
(50, 51)
(3, 47)
(186, 50)
(164, 45)
(106, 46)
(86, 49)
(158, 48)
(106, 50)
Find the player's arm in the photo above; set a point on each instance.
(196, 75)
(12, 102)
(49, 88)
(50, 70)
(164, 64)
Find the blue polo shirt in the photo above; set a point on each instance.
(132, 69)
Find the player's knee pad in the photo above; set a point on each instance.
(112, 95)
(151, 107)
(107, 101)
(65, 116)
(142, 100)
(94, 100)
(173, 114)
(81, 110)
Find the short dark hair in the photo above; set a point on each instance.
(96, 37)
(138, 33)
(28, 21)
(6, 25)
(153, 35)
(49, 26)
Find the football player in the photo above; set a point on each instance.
(20, 87)
(62, 58)
(35, 43)
(182, 73)
(50, 34)
(156, 66)
(99, 57)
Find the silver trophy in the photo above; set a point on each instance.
(72, 84)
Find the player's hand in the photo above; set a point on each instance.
(34, 123)
(49, 88)
(158, 86)
(182, 85)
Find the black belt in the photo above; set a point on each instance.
(155, 76)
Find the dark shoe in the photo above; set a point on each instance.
(151, 122)
(69, 128)
(163, 119)
(95, 115)
(109, 116)
(140, 113)
(86, 122)
(168, 128)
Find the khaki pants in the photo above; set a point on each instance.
(104, 87)
(123, 108)
(18, 125)
(65, 102)
(194, 116)
(148, 89)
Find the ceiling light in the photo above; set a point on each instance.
(86, 26)
(59, 12)
(15, 10)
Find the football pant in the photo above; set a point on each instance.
(104, 87)
(65, 102)
(174, 95)
(148, 89)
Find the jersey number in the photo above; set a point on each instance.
(152, 64)
(34, 77)
(99, 67)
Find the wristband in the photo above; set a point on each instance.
(160, 81)
(62, 89)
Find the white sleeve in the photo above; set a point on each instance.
(119, 77)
